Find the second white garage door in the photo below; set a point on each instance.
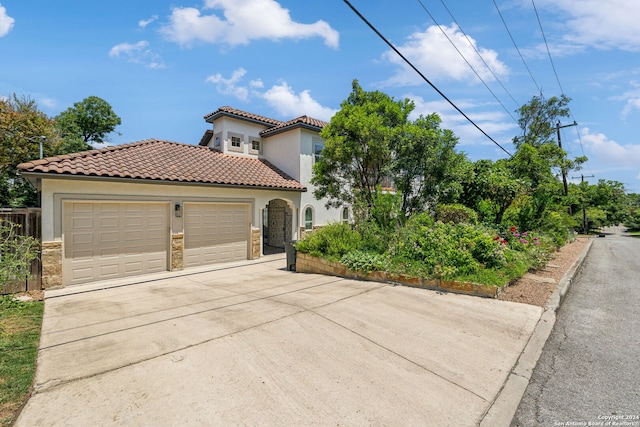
(215, 232)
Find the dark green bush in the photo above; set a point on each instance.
(365, 262)
(331, 242)
(456, 214)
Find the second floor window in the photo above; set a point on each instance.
(317, 150)
(255, 145)
(236, 141)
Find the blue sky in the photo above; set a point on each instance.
(163, 65)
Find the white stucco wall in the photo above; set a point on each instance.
(283, 150)
(292, 152)
(55, 191)
(247, 130)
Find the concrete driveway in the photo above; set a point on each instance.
(252, 344)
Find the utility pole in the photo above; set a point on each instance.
(564, 170)
(584, 209)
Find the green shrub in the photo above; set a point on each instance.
(456, 214)
(442, 250)
(365, 262)
(331, 242)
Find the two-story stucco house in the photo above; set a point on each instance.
(155, 205)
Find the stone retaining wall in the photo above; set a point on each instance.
(306, 263)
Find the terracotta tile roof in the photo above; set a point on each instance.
(158, 160)
(302, 121)
(230, 111)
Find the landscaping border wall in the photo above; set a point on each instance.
(306, 263)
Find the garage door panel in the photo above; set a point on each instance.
(215, 232)
(105, 240)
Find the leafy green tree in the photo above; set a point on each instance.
(371, 142)
(357, 152)
(606, 203)
(490, 189)
(539, 161)
(89, 121)
(425, 166)
(632, 219)
(23, 127)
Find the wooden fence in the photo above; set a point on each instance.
(30, 222)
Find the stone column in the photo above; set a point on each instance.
(51, 264)
(177, 252)
(255, 243)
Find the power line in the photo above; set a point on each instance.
(547, 45)
(478, 53)
(518, 50)
(465, 59)
(383, 38)
(556, 74)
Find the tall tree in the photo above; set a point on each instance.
(490, 189)
(371, 141)
(23, 127)
(426, 168)
(539, 160)
(357, 155)
(89, 121)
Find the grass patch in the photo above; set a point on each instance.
(20, 324)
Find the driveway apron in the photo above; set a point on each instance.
(250, 343)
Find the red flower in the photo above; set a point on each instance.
(513, 229)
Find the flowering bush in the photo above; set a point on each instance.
(424, 248)
(536, 248)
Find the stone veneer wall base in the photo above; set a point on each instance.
(306, 263)
(255, 243)
(51, 264)
(177, 252)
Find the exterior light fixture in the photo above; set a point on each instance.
(178, 210)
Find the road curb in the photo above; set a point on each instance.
(504, 407)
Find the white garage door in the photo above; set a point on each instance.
(215, 232)
(106, 240)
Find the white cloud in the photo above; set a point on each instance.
(282, 98)
(6, 22)
(48, 102)
(608, 151)
(241, 22)
(437, 59)
(611, 24)
(631, 98)
(144, 22)
(493, 121)
(288, 103)
(230, 86)
(137, 53)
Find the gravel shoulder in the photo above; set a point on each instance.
(536, 288)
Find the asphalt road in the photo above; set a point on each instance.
(589, 370)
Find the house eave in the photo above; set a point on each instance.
(39, 175)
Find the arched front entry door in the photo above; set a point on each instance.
(276, 226)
